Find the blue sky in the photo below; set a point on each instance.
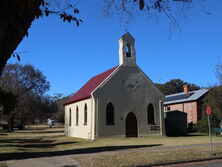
(69, 56)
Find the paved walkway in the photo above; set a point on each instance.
(68, 161)
(56, 161)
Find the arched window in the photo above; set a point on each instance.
(77, 116)
(150, 115)
(109, 114)
(70, 117)
(128, 50)
(85, 115)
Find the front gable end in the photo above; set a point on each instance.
(151, 84)
(128, 89)
(131, 81)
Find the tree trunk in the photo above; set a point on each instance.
(9, 40)
(11, 127)
(16, 17)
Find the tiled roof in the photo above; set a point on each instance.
(182, 97)
(90, 86)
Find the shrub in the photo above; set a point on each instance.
(190, 127)
(202, 126)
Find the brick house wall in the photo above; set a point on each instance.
(193, 110)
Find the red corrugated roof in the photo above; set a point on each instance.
(86, 90)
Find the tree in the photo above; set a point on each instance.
(175, 86)
(172, 9)
(26, 83)
(214, 98)
(49, 107)
(8, 101)
(16, 16)
(218, 72)
(33, 108)
(60, 109)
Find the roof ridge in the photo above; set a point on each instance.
(85, 91)
(183, 92)
(181, 97)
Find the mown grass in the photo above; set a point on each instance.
(3, 165)
(52, 139)
(43, 141)
(147, 158)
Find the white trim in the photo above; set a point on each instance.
(93, 119)
(105, 80)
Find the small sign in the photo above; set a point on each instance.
(208, 110)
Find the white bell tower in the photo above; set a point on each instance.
(127, 54)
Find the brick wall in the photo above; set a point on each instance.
(193, 110)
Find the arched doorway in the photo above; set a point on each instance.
(131, 125)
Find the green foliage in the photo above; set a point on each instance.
(22, 93)
(7, 100)
(202, 126)
(175, 86)
(62, 13)
(214, 99)
(60, 109)
(21, 79)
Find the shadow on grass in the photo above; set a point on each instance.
(25, 155)
(40, 131)
(185, 135)
(31, 143)
(3, 134)
(40, 145)
(10, 141)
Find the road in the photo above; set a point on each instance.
(207, 164)
(210, 163)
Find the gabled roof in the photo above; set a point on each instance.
(182, 97)
(90, 86)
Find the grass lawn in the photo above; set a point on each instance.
(42, 141)
(146, 158)
(3, 165)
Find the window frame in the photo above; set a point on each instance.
(77, 115)
(110, 114)
(85, 114)
(70, 117)
(151, 117)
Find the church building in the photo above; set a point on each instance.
(121, 101)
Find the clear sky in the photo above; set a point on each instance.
(69, 56)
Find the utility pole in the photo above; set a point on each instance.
(209, 113)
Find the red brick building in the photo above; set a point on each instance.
(188, 101)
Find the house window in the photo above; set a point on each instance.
(128, 50)
(109, 114)
(150, 115)
(77, 116)
(85, 115)
(168, 108)
(70, 117)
